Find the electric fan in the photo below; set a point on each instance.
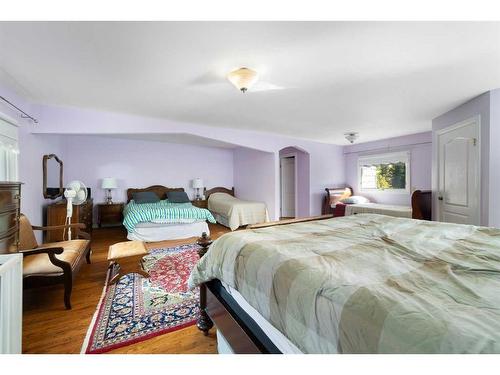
(75, 194)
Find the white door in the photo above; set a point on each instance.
(458, 195)
(287, 167)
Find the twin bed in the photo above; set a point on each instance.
(165, 220)
(364, 283)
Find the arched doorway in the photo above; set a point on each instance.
(294, 182)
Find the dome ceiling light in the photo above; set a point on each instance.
(243, 78)
(351, 137)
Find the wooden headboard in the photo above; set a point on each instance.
(327, 201)
(159, 190)
(218, 189)
(421, 204)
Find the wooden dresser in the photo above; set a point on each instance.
(56, 215)
(10, 202)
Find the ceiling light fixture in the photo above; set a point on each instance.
(351, 137)
(243, 78)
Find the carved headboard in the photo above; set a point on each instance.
(159, 190)
(218, 189)
(333, 195)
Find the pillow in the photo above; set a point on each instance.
(145, 197)
(355, 199)
(177, 197)
(336, 195)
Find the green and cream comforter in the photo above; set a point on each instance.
(163, 212)
(368, 283)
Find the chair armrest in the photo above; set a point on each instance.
(58, 227)
(83, 235)
(45, 250)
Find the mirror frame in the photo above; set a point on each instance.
(46, 194)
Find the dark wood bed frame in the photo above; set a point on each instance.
(421, 203)
(218, 306)
(217, 189)
(159, 190)
(243, 334)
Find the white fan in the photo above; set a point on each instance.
(75, 194)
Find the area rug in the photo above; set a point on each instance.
(135, 308)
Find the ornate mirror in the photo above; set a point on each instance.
(52, 176)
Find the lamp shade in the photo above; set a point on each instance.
(243, 78)
(197, 183)
(109, 183)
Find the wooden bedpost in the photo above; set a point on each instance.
(204, 323)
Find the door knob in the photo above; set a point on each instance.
(440, 198)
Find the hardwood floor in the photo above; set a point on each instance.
(49, 328)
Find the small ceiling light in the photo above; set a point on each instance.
(243, 78)
(351, 137)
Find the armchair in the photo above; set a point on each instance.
(52, 263)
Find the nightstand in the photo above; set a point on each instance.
(203, 203)
(110, 214)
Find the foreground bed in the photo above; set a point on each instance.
(358, 284)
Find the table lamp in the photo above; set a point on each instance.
(108, 183)
(197, 185)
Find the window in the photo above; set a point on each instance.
(8, 149)
(384, 172)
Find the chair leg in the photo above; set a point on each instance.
(68, 287)
(87, 257)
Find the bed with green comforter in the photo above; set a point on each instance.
(367, 283)
(163, 212)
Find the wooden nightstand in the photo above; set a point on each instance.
(110, 214)
(203, 203)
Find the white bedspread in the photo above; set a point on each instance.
(237, 211)
(377, 208)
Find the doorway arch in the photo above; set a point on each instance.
(301, 181)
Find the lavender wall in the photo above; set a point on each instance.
(420, 148)
(138, 163)
(480, 105)
(326, 160)
(254, 177)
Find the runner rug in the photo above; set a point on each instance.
(136, 309)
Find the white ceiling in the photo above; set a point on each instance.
(380, 79)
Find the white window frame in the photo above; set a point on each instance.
(386, 158)
(9, 149)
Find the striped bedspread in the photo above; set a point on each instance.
(367, 283)
(163, 212)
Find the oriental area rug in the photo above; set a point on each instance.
(136, 309)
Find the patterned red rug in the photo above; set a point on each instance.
(136, 309)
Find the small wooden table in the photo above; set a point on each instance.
(200, 203)
(110, 214)
(127, 258)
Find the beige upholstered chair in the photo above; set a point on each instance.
(52, 263)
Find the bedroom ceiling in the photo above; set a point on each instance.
(380, 79)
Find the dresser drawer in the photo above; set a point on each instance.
(9, 198)
(8, 221)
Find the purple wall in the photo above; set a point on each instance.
(326, 160)
(254, 177)
(138, 163)
(480, 105)
(420, 147)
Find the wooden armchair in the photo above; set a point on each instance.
(52, 263)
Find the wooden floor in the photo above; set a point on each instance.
(49, 328)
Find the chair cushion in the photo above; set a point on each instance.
(40, 264)
(27, 240)
(126, 249)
